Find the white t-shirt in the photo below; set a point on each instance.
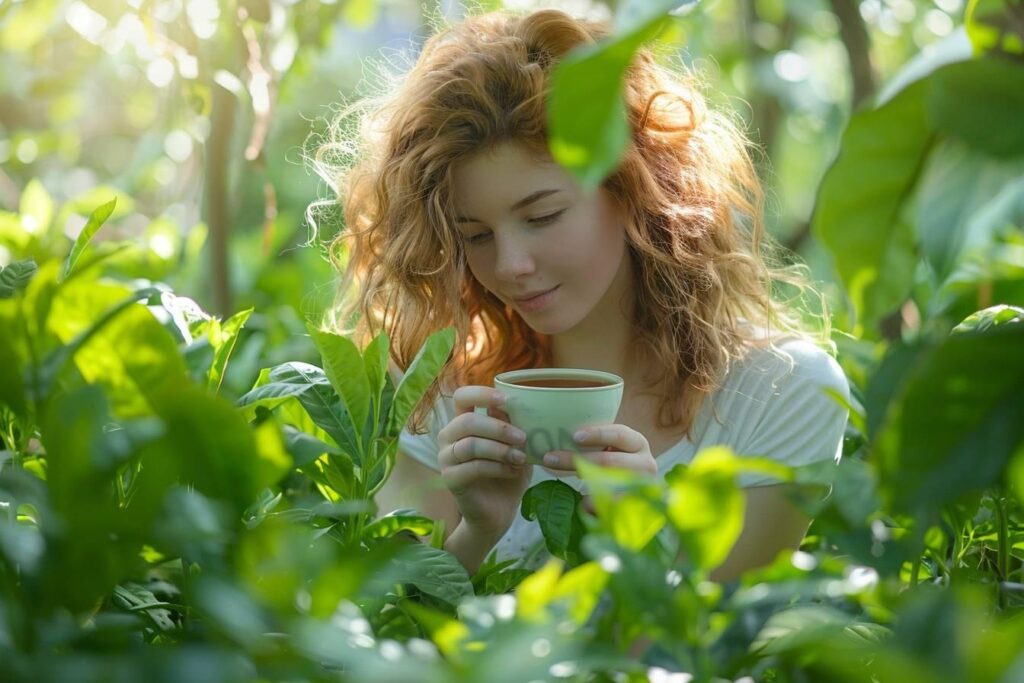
(771, 403)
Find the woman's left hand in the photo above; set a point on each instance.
(621, 446)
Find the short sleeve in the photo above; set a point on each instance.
(798, 420)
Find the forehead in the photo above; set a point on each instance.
(502, 176)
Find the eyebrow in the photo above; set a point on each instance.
(525, 201)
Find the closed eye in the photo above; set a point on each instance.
(539, 220)
(544, 220)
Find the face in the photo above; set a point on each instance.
(529, 229)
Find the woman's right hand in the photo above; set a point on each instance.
(482, 462)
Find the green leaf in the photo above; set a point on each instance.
(310, 386)
(305, 448)
(393, 523)
(586, 111)
(961, 398)
(433, 571)
(115, 343)
(957, 183)
(706, 506)
(422, 372)
(223, 338)
(344, 368)
(981, 103)
(808, 627)
(16, 276)
(375, 361)
(553, 504)
(627, 504)
(859, 206)
(993, 316)
(280, 383)
(96, 220)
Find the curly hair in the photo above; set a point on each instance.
(691, 198)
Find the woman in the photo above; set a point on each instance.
(456, 215)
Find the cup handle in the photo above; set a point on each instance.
(480, 410)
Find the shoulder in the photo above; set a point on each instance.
(790, 374)
(791, 361)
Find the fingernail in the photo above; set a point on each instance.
(518, 435)
(499, 398)
(516, 457)
(551, 460)
(580, 436)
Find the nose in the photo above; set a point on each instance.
(514, 259)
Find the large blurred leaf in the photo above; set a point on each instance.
(132, 356)
(956, 185)
(981, 103)
(858, 213)
(586, 111)
(706, 506)
(957, 417)
(96, 541)
(624, 503)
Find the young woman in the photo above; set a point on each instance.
(457, 215)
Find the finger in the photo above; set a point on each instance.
(483, 426)
(472, 396)
(477, 448)
(460, 477)
(563, 460)
(561, 473)
(615, 436)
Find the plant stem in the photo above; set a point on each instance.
(1002, 537)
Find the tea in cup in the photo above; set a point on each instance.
(551, 404)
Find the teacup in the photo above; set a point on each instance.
(550, 404)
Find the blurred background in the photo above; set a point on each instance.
(199, 116)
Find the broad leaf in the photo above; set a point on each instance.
(960, 399)
(433, 571)
(553, 504)
(858, 213)
(116, 343)
(981, 103)
(957, 183)
(706, 506)
(305, 448)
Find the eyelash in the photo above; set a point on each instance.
(539, 220)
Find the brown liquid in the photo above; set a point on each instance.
(555, 383)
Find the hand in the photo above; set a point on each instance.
(622, 447)
(481, 462)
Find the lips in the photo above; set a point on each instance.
(528, 297)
